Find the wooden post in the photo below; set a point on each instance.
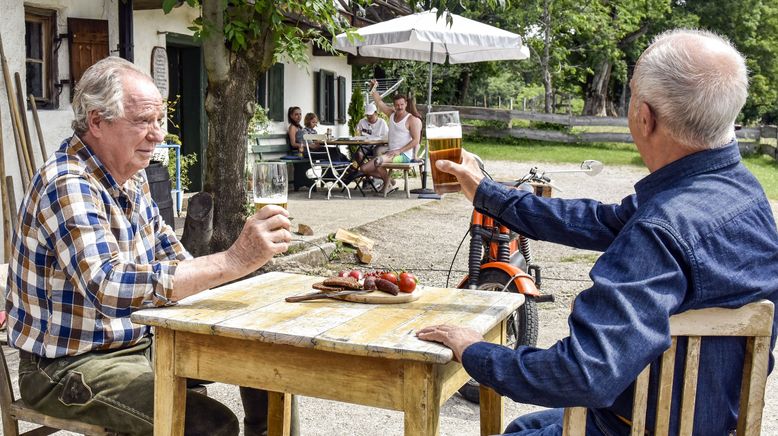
(9, 186)
(18, 138)
(5, 201)
(37, 122)
(29, 154)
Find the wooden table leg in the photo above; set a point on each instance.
(279, 414)
(421, 400)
(169, 390)
(491, 404)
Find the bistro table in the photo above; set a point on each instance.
(246, 334)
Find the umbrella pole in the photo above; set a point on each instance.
(425, 192)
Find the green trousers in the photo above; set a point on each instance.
(114, 389)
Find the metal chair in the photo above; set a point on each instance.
(324, 169)
(753, 321)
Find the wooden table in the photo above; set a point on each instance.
(246, 334)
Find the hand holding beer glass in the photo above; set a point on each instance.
(444, 133)
(270, 184)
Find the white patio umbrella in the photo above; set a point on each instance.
(425, 37)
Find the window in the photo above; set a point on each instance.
(324, 91)
(270, 92)
(40, 65)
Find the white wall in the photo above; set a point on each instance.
(151, 26)
(299, 87)
(55, 123)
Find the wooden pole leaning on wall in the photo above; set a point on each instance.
(9, 186)
(6, 202)
(38, 130)
(18, 138)
(29, 153)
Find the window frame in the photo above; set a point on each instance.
(47, 18)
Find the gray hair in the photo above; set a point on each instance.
(696, 82)
(100, 89)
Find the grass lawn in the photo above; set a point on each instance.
(763, 167)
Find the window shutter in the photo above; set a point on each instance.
(320, 89)
(262, 90)
(341, 100)
(88, 41)
(275, 92)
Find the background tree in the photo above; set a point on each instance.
(242, 39)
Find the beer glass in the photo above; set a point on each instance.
(270, 184)
(444, 134)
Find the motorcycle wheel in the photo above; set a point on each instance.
(522, 328)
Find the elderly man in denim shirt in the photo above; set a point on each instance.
(697, 233)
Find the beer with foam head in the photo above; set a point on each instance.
(444, 133)
(270, 184)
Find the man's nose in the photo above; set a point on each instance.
(156, 133)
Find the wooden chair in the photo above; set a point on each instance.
(13, 411)
(753, 321)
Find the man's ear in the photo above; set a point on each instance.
(94, 122)
(646, 119)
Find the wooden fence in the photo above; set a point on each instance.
(749, 138)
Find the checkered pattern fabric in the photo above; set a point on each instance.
(87, 253)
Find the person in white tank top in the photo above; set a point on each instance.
(404, 136)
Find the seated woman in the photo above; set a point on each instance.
(311, 121)
(404, 137)
(294, 115)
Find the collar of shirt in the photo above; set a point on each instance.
(696, 163)
(75, 146)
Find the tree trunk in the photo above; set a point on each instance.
(226, 156)
(464, 86)
(544, 62)
(597, 91)
(230, 102)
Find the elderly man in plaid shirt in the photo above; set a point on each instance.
(92, 248)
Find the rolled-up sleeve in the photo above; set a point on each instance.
(75, 226)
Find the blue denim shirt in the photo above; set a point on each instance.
(698, 233)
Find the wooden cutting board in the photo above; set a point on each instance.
(378, 297)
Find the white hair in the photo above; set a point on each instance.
(101, 89)
(696, 82)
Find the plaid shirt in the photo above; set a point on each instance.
(87, 253)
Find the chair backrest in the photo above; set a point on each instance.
(753, 321)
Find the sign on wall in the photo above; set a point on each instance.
(159, 70)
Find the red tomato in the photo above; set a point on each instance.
(390, 276)
(407, 282)
(357, 274)
(343, 274)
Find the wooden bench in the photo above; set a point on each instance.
(405, 168)
(274, 146)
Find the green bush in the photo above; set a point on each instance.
(356, 110)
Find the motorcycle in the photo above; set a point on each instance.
(501, 260)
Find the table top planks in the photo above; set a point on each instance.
(255, 309)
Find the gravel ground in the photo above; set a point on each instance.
(424, 240)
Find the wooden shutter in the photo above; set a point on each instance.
(341, 100)
(320, 98)
(88, 41)
(275, 92)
